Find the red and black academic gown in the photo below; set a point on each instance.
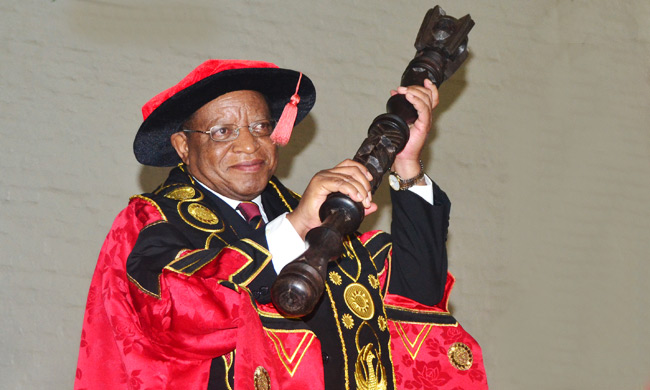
(180, 300)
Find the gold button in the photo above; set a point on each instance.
(460, 356)
(261, 379)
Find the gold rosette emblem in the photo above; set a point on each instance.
(372, 279)
(335, 278)
(348, 321)
(359, 301)
(460, 356)
(381, 321)
(202, 214)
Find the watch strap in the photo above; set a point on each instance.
(405, 184)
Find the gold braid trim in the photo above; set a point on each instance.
(282, 198)
(250, 260)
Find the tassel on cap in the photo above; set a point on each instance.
(283, 129)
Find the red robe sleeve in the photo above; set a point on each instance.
(163, 332)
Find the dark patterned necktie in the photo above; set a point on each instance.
(251, 213)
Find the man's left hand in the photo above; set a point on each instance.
(424, 99)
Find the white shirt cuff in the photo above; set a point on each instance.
(425, 192)
(286, 245)
(284, 242)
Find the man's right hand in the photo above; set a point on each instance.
(348, 177)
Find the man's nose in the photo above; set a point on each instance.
(246, 142)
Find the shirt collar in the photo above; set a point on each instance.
(233, 202)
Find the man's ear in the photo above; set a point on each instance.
(179, 142)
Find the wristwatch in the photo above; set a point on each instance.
(398, 184)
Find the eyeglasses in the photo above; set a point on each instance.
(225, 133)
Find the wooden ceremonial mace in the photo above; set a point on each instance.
(441, 47)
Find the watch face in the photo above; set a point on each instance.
(394, 183)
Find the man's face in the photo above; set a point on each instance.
(239, 169)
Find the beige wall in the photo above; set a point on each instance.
(542, 142)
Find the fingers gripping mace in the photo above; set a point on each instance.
(441, 47)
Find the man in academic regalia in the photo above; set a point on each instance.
(180, 296)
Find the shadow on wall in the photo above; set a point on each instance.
(302, 136)
(452, 89)
(151, 177)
